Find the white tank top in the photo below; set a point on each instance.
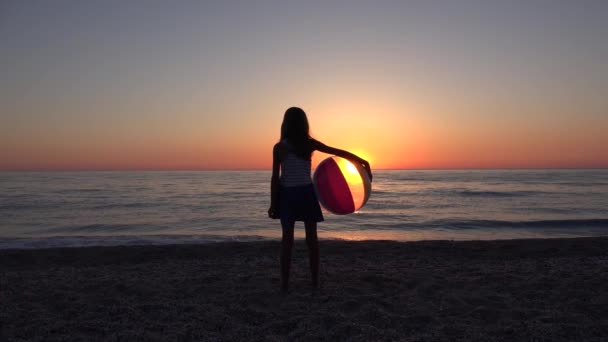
(295, 171)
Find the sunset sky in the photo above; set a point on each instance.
(113, 85)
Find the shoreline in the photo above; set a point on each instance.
(498, 290)
(460, 235)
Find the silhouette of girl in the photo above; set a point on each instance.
(292, 196)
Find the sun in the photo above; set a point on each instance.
(353, 179)
(350, 172)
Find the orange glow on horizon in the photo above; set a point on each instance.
(388, 137)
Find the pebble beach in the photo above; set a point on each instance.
(508, 290)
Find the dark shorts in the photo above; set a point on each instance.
(299, 203)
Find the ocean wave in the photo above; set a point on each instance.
(585, 184)
(100, 228)
(480, 193)
(31, 205)
(122, 240)
(135, 205)
(79, 191)
(484, 224)
(397, 222)
(461, 192)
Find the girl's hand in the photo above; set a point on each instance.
(367, 167)
(273, 213)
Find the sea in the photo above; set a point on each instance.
(70, 209)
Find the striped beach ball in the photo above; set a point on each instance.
(341, 186)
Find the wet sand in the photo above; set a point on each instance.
(517, 290)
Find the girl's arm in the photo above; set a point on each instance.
(273, 212)
(319, 146)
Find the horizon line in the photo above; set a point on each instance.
(270, 169)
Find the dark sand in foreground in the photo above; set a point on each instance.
(519, 290)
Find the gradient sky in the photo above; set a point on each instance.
(203, 85)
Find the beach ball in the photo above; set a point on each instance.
(341, 186)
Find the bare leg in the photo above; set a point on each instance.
(312, 242)
(286, 251)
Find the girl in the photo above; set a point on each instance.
(292, 196)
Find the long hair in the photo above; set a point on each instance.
(296, 132)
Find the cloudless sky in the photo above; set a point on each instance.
(204, 84)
